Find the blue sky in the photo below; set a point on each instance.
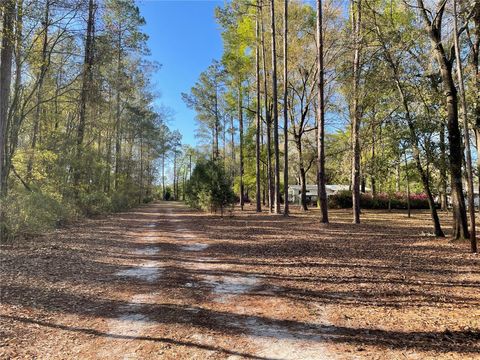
(184, 39)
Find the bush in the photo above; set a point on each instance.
(33, 212)
(209, 187)
(123, 199)
(148, 199)
(95, 203)
(343, 200)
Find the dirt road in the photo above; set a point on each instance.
(164, 282)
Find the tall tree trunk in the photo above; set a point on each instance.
(6, 57)
(321, 187)
(303, 177)
(163, 177)
(275, 111)
(232, 145)
(216, 151)
(86, 87)
(257, 115)
(373, 165)
(355, 111)
(190, 166)
(285, 107)
(407, 179)
(240, 129)
(174, 175)
(434, 27)
(118, 123)
(40, 80)
(468, 160)
(15, 113)
(141, 170)
(268, 119)
(475, 62)
(424, 175)
(443, 170)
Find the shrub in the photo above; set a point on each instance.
(34, 212)
(122, 200)
(95, 203)
(209, 187)
(148, 199)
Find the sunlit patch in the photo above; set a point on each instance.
(148, 271)
(195, 247)
(150, 250)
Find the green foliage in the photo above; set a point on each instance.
(94, 203)
(209, 187)
(168, 193)
(33, 212)
(112, 165)
(124, 199)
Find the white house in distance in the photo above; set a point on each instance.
(295, 192)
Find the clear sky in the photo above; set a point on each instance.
(184, 39)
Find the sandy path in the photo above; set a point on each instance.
(164, 282)
(232, 292)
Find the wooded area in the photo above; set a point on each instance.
(80, 134)
(380, 96)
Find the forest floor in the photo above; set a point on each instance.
(166, 282)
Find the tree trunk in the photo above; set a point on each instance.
(275, 112)
(216, 151)
(434, 27)
(321, 188)
(86, 87)
(355, 112)
(416, 154)
(163, 176)
(443, 170)
(232, 145)
(174, 175)
(373, 165)
(268, 120)
(240, 129)
(6, 57)
(40, 80)
(303, 180)
(468, 160)
(257, 115)
(413, 138)
(118, 124)
(285, 107)
(407, 179)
